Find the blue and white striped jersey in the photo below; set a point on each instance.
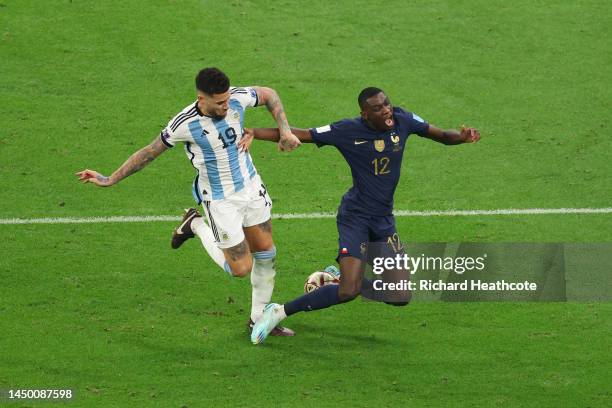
(210, 144)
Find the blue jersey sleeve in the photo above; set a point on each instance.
(414, 123)
(419, 125)
(328, 134)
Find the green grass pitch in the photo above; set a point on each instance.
(112, 312)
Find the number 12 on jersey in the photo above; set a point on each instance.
(380, 165)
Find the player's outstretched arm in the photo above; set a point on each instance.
(136, 162)
(268, 96)
(273, 134)
(452, 136)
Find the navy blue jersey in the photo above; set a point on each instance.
(375, 158)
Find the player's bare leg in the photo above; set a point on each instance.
(238, 259)
(351, 277)
(259, 236)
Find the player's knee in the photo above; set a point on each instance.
(240, 272)
(398, 303)
(402, 299)
(350, 288)
(239, 269)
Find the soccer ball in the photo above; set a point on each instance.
(319, 279)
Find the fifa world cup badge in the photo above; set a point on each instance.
(379, 145)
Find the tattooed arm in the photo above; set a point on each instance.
(135, 163)
(268, 96)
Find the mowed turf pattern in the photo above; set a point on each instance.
(112, 312)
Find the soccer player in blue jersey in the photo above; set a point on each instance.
(373, 145)
(238, 236)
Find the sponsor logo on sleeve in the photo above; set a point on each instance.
(417, 118)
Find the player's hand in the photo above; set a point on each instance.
(469, 135)
(288, 142)
(246, 139)
(92, 176)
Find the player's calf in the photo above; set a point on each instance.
(350, 278)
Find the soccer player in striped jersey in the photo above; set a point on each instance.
(373, 146)
(237, 205)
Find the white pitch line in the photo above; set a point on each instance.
(398, 213)
(89, 220)
(526, 211)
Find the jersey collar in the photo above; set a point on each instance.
(200, 112)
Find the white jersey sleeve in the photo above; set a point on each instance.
(177, 129)
(247, 96)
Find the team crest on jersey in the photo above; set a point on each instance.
(224, 236)
(236, 115)
(396, 139)
(379, 145)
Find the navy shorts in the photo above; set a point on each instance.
(355, 230)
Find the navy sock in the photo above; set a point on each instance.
(317, 299)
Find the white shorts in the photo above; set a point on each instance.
(248, 207)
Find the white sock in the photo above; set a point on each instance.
(262, 280)
(281, 312)
(203, 231)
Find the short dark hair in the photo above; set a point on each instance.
(366, 94)
(212, 81)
